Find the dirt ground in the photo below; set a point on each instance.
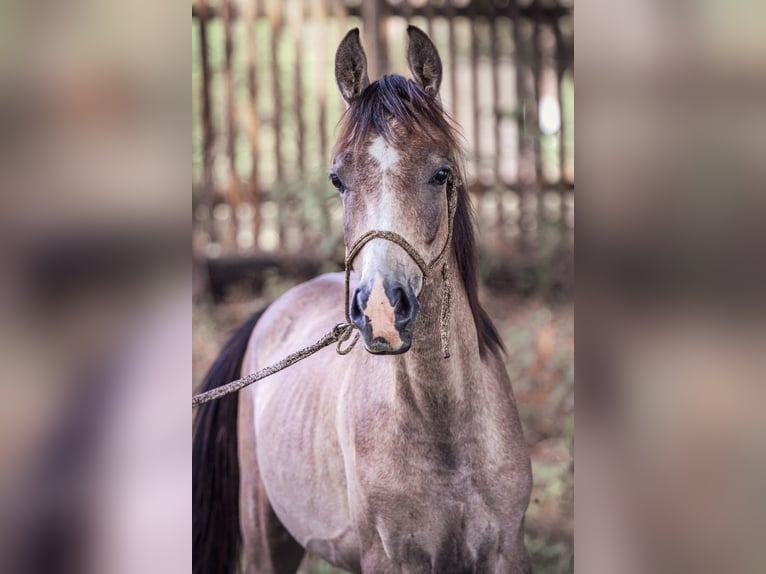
(539, 337)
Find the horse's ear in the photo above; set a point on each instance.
(424, 62)
(351, 67)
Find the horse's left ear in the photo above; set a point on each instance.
(424, 62)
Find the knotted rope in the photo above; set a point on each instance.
(342, 331)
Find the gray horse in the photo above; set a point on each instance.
(391, 458)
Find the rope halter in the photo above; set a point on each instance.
(428, 270)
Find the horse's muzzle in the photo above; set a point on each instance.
(385, 313)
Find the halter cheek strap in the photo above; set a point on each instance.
(428, 270)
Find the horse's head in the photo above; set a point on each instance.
(393, 163)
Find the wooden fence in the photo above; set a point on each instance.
(265, 109)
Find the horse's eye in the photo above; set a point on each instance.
(441, 176)
(337, 183)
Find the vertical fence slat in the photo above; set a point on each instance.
(300, 122)
(429, 10)
(498, 118)
(297, 35)
(475, 96)
(373, 23)
(208, 184)
(561, 67)
(278, 191)
(320, 13)
(452, 58)
(521, 97)
(536, 56)
(255, 189)
(232, 191)
(538, 155)
(340, 14)
(523, 138)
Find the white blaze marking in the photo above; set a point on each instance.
(386, 156)
(381, 214)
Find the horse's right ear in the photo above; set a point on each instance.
(351, 67)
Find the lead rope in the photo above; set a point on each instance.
(342, 331)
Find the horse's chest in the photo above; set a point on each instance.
(436, 490)
(444, 521)
(433, 504)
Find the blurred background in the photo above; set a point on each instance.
(264, 114)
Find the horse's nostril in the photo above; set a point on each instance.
(405, 307)
(397, 295)
(401, 303)
(356, 313)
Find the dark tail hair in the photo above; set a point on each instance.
(216, 538)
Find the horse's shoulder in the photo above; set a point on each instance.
(324, 281)
(327, 286)
(304, 309)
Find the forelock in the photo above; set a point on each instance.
(395, 108)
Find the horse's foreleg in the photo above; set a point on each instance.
(267, 547)
(516, 560)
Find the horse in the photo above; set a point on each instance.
(390, 458)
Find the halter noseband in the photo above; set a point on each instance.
(427, 269)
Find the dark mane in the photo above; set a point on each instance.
(396, 101)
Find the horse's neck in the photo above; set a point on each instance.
(424, 375)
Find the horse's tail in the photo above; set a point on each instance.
(216, 538)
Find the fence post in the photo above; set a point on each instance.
(233, 192)
(373, 21)
(208, 191)
(255, 190)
